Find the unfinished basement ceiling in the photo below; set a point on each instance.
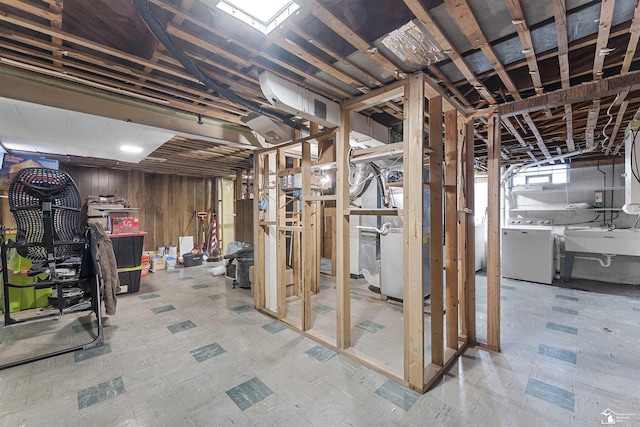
(485, 52)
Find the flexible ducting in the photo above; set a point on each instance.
(361, 181)
(157, 29)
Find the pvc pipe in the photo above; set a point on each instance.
(604, 263)
(383, 231)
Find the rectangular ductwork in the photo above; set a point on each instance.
(297, 100)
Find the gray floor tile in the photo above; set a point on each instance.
(398, 308)
(568, 298)
(183, 278)
(162, 309)
(398, 394)
(84, 327)
(98, 393)
(564, 310)
(274, 327)
(149, 296)
(182, 326)
(321, 353)
(636, 308)
(217, 296)
(322, 309)
(356, 297)
(557, 353)
(249, 393)
(207, 352)
(552, 394)
(370, 326)
(80, 355)
(201, 286)
(242, 308)
(562, 328)
(511, 288)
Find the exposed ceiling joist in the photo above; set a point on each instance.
(604, 28)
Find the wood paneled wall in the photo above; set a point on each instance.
(168, 202)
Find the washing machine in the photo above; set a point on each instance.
(527, 250)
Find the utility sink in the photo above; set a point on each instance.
(603, 241)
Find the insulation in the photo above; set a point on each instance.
(413, 47)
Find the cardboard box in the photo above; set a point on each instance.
(101, 220)
(11, 164)
(158, 263)
(125, 225)
(288, 278)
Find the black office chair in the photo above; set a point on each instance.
(46, 206)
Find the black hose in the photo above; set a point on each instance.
(156, 28)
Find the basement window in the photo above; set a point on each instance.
(263, 15)
(555, 174)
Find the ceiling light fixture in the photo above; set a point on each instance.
(606, 50)
(130, 149)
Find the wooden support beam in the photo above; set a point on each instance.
(560, 14)
(377, 96)
(343, 30)
(592, 122)
(441, 38)
(350, 65)
(281, 252)
(391, 148)
(493, 235)
(626, 65)
(520, 22)
(469, 25)
(343, 277)
(309, 244)
(534, 130)
(451, 224)
(259, 234)
(604, 28)
(585, 92)
(468, 291)
(290, 46)
(435, 240)
(413, 298)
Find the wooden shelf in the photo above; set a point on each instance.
(374, 212)
(319, 198)
(566, 209)
(563, 190)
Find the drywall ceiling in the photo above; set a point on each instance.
(46, 130)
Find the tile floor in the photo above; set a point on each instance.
(188, 350)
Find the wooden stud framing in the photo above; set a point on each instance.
(282, 241)
(343, 278)
(435, 240)
(493, 236)
(309, 237)
(418, 374)
(258, 234)
(451, 225)
(412, 233)
(468, 291)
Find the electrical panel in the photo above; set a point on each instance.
(291, 182)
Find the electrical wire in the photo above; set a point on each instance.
(604, 134)
(578, 223)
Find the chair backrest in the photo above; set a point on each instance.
(45, 199)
